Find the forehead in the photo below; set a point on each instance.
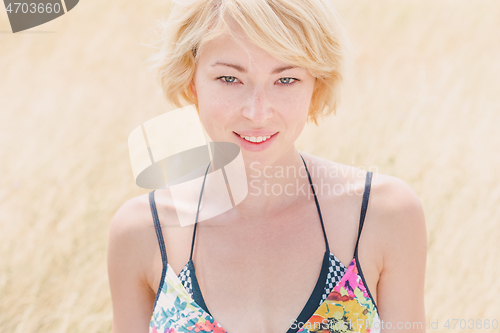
(235, 46)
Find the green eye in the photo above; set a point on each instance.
(228, 79)
(287, 80)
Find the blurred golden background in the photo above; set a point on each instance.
(422, 104)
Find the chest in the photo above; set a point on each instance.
(258, 291)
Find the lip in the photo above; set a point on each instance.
(256, 133)
(256, 146)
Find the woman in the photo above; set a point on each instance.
(291, 257)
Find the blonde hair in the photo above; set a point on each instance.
(304, 33)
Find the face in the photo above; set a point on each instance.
(243, 91)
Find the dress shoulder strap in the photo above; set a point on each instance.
(317, 206)
(197, 212)
(157, 224)
(159, 235)
(364, 206)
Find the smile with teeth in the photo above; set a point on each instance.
(255, 139)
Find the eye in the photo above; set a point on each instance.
(287, 81)
(228, 79)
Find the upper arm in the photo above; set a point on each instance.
(401, 284)
(131, 295)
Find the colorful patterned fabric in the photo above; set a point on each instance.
(348, 308)
(176, 312)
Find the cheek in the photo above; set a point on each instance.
(215, 111)
(294, 105)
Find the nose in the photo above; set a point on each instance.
(257, 109)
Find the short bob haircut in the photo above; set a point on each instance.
(304, 33)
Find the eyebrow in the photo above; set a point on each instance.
(243, 70)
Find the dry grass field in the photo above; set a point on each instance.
(422, 104)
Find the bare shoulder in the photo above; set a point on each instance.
(395, 193)
(398, 215)
(130, 258)
(132, 219)
(132, 236)
(132, 214)
(396, 206)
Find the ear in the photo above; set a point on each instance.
(193, 89)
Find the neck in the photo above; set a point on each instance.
(274, 185)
